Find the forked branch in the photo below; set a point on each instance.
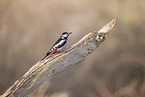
(42, 70)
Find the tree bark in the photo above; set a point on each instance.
(42, 70)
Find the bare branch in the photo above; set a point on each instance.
(42, 70)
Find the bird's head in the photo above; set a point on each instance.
(65, 34)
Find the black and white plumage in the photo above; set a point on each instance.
(59, 45)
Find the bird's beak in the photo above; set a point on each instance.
(70, 33)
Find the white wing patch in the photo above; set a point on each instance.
(61, 42)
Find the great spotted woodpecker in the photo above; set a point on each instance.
(60, 44)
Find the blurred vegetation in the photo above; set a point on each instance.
(115, 69)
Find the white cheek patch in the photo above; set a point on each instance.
(65, 35)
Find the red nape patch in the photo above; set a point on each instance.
(53, 52)
(61, 35)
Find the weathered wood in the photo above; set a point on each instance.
(42, 70)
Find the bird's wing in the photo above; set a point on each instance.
(58, 44)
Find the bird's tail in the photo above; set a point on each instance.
(46, 55)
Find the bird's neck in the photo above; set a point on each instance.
(63, 38)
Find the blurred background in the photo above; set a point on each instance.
(28, 28)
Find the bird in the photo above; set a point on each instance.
(59, 45)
